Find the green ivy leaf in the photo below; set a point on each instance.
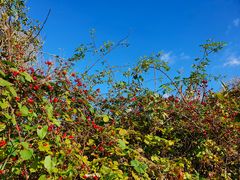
(138, 166)
(42, 132)
(26, 154)
(122, 144)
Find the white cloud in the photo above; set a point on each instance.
(232, 61)
(170, 57)
(236, 22)
(167, 56)
(184, 56)
(166, 95)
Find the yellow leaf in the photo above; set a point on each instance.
(135, 176)
(122, 132)
(90, 142)
(105, 118)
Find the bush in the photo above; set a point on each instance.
(55, 124)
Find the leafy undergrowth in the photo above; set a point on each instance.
(56, 125)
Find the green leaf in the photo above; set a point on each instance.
(135, 163)
(122, 144)
(7, 115)
(26, 154)
(4, 104)
(42, 132)
(2, 73)
(13, 119)
(12, 90)
(2, 126)
(8, 63)
(27, 76)
(49, 110)
(24, 110)
(48, 163)
(138, 166)
(25, 145)
(42, 177)
(44, 146)
(5, 83)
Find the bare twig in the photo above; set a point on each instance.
(45, 21)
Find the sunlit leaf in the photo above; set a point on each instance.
(4, 83)
(26, 154)
(42, 132)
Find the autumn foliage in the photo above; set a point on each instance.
(56, 123)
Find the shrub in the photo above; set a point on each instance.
(55, 124)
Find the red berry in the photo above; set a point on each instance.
(133, 99)
(18, 128)
(176, 100)
(95, 177)
(64, 135)
(49, 63)
(15, 73)
(70, 137)
(55, 100)
(30, 100)
(17, 98)
(14, 158)
(50, 87)
(101, 148)
(36, 87)
(31, 69)
(79, 84)
(50, 128)
(85, 176)
(2, 143)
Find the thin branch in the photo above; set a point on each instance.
(45, 21)
(102, 56)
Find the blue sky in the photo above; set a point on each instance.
(173, 26)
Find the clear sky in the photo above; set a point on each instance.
(174, 26)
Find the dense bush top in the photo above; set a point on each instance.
(55, 124)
